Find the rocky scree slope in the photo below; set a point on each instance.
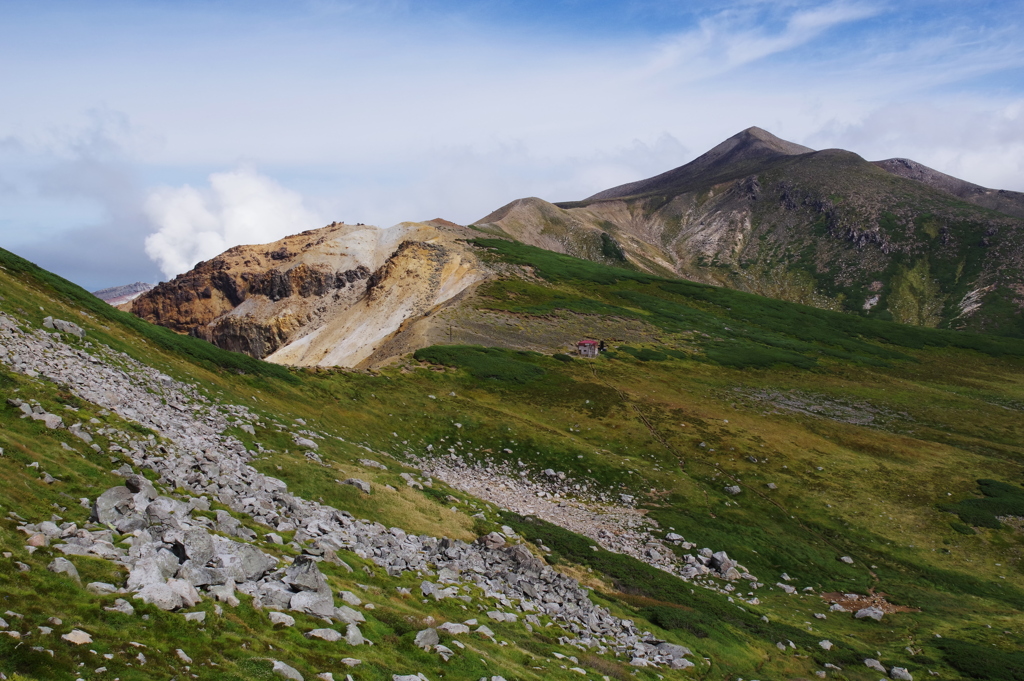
(335, 296)
(174, 560)
(824, 228)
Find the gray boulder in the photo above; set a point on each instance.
(63, 566)
(353, 636)
(286, 672)
(304, 575)
(494, 540)
(872, 663)
(427, 638)
(672, 650)
(362, 485)
(329, 635)
(873, 612)
(280, 618)
(160, 595)
(900, 674)
(313, 603)
(197, 545)
(111, 505)
(733, 490)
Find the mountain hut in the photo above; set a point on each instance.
(587, 348)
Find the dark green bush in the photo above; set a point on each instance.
(1001, 499)
(562, 357)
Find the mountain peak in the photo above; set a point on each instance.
(743, 153)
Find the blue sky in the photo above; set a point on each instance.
(137, 138)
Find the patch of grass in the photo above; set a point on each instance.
(982, 661)
(196, 350)
(491, 364)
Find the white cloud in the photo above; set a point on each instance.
(239, 207)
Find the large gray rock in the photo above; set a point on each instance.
(188, 594)
(900, 674)
(280, 618)
(242, 562)
(64, 326)
(111, 505)
(361, 485)
(160, 595)
(197, 546)
(286, 671)
(329, 635)
(494, 540)
(873, 612)
(353, 636)
(274, 595)
(453, 628)
(427, 638)
(304, 575)
(146, 572)
(348, 615)
(313, 603)
(63, 566)
(872, 663)
(672, 650)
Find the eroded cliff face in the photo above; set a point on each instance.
(325, 297)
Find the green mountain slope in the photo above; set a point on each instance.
(847, 437)
(824, 228)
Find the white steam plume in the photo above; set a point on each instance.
(239, 207)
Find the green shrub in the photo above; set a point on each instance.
(562, 357)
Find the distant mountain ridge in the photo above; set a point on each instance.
(1009, 202)
(118, 295)
(892, 239)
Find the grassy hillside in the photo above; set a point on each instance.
(875, 435)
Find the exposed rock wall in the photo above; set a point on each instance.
(326, 297)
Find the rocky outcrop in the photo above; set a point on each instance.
(327, 297)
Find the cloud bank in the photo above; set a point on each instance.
(238, 207)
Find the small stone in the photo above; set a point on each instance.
(847, 560)
(733, 490)
(329, 635)
(183, 656)
(195, 616)
(825, 645)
